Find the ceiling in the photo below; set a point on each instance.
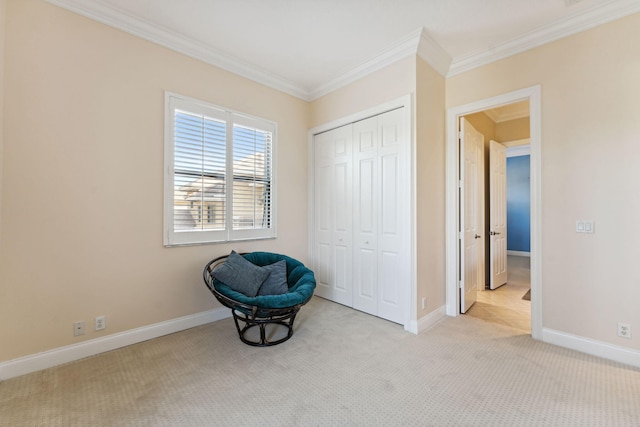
(310, 47)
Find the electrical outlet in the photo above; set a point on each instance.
(424, 302)
(101, 323)
(624, 330)
(78, 328)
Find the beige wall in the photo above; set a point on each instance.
(2, 36)
(513, 130)
(483, 124)
(430, 188)
(590, 128)
(83, 189)
(384, 85)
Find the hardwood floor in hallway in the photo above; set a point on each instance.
(505, 305)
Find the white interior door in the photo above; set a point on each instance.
(497, 214)
(333, 212)
(472, 218)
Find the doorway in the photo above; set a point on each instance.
(454, 238)
(502, 295)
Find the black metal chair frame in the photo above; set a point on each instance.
(247, 316)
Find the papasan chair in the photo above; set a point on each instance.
(263, 294)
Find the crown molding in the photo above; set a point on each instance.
(417, 43)
(498, 116)
(177, 42)
(433, 53)
(492, 114)
(574, 24)
(512, 115)
(400, 50)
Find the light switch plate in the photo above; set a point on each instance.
(584, 226)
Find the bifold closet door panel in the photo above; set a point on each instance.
(393, 264)
(365, 216)
(332, 215)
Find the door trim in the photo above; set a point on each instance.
(533, 95)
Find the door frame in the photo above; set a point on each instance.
(533, 95)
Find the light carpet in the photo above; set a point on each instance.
(341, 367)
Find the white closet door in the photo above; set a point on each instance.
(362, 216)
(381, 217)
(394, 218)
(333, 201)
(365, 215)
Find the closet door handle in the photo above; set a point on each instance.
(494, 233)
(477, 236)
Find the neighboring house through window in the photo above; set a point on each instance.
(219, 174)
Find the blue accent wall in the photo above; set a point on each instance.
(518, 204)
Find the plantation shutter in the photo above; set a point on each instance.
(219, 182)
(252, 177)
(199, 174)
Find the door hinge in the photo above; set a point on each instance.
(459, 183)
(461, 284)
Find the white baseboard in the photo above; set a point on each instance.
(595, 348)
(69, 353)
(519, 253)
(425, 322)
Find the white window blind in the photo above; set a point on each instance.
(219, 181)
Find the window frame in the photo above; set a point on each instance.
(230, 117)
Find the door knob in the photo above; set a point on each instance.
(494, 233)
(477, 236)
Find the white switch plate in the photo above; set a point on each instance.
(585, 226)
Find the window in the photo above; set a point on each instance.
(219, 183)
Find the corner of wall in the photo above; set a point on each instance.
(430, 184)
(425, 322)
(3, 5)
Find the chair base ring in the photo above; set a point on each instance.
(245, 324)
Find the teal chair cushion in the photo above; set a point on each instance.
(300, 281)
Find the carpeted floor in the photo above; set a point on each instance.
(341, 368)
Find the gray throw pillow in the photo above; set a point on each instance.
(276, 283)
(241, 275)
